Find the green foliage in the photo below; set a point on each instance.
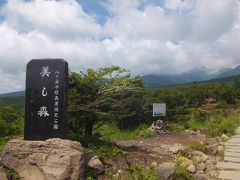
(14, 102)
(4, 140)
(199, 115)
(102, 95)
(112, 132)
(11, 121)
(199, 147)
(236, 88)
(135, 172)
(180, 100)
(223, 125)
(139, 172)
(103, 148)
(177, 126)
(184, 106)
(181, 172)
(11, 175)
(89, 175)
(195, 124)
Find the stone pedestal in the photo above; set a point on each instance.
(53, 159)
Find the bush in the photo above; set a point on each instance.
(182, 173)
(223, 125)
(177, 127)
(11, 122)
(199, 147)
(199, 116)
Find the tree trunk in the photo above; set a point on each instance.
(89, 126)
(89, 129)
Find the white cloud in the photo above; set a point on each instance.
(212, 19)
(171, 38)
(179, 4)
(54, 18)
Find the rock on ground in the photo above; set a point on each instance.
(199, 157)
(220, 149)
(93, 163)
(166, 171)
(176, 149)
(190, 132)
(191, 168)
(153, 164)
(53, 159)
(201, 167)
(225, 137)
(201, 176)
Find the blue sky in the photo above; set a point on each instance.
(2, 1)
(95, 7)
(144, 36)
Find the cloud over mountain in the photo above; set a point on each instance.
(146, 36)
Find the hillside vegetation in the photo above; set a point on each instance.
(11, 118)
(130, 108)
(109, 104)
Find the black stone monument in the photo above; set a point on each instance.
(46, 99)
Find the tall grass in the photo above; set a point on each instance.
(217, 123)
(111, 132)
(223, 125)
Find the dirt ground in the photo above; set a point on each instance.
(157, 149)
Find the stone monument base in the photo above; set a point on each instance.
(53, 159)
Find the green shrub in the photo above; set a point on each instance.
(177, 127)
(11, 175)
(181, 172)
(223, 125)
(199, 147)
(199, 116)
(11, 121)
(139, 172)
(4, 140)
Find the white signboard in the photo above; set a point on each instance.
(159, 109)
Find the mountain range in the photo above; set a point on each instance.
(198, 75)
(13, 94)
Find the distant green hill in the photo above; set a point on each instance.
(13, 94)
(230, 73)
(227, 79)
